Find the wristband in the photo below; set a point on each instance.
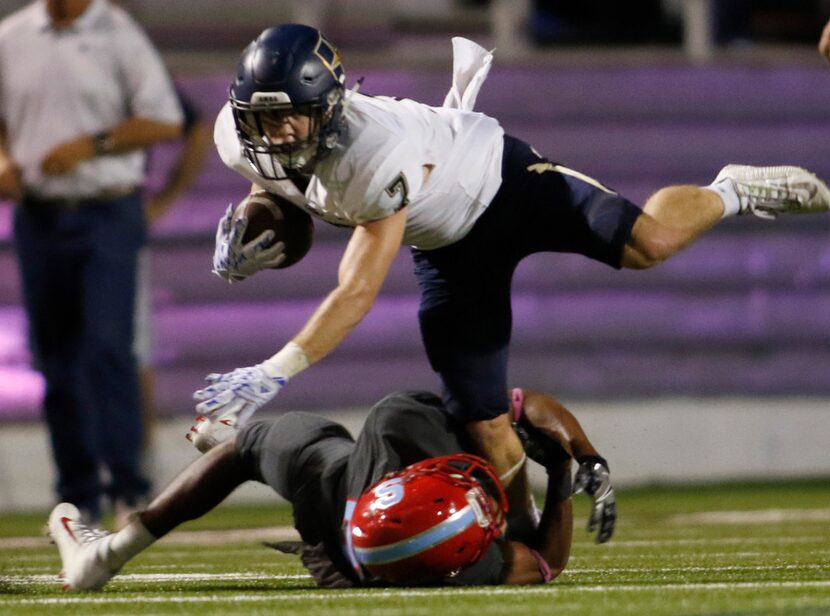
(517, 402)
(594, 460)
(287, 362)
(102, 143)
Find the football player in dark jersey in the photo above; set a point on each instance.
(403, 503)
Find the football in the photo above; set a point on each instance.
(290, 224)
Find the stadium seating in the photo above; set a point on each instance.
(746, 311)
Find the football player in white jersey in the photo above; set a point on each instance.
(470, 201)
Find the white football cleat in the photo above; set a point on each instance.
(207, 432)
(82, 549)
(770, 191)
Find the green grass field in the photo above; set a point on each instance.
(738, 549)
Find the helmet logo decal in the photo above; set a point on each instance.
(388, 493)
(457, 523)
(330, 57)
(269, 98)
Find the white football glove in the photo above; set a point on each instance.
(235, 261)
(237, 395)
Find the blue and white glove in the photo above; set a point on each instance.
(235, 261)
(237, 395)
(594, 478)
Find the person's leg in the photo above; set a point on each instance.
(541, 206)
(674, 217)
(196, 491)
(91, 557)
(267, 451)
(110, 291)
(465, 319)
(50, 249)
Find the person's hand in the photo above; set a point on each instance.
(824, 42)
(11, 184)
(239, 393)
(594, 478)
(156, 207)
(235, 261)
(64, 157)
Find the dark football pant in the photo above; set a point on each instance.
(78, 268)
(465, 312)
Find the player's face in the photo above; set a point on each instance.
(286, 128)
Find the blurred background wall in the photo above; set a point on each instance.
(712, 366)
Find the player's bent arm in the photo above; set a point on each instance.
(546, 414)
(547, 557)
(551, 430)
(132, 134)
(363, 268)
(197, 143)
(138, 133)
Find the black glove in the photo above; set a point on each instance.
(594, 478)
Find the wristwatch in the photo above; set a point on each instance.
(102, 143)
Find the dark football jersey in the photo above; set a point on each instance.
(313, 464)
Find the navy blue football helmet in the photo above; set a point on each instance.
(289, 70)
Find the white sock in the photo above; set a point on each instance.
(725, 189)
(127, 543)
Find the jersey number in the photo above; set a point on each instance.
(399, 186)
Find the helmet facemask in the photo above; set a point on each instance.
(258, 125)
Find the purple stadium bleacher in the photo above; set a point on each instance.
(744, 312)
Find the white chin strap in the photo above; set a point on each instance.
(508, 476)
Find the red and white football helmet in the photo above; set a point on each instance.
(429, 520)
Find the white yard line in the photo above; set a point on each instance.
(767, 541)
(157, 577)
(758, 516)
(24, 579)
(595, 570)
(551, 589)
(202, 537)
(42, 578)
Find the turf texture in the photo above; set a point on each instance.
(743, 549)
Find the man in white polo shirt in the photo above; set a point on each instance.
(82, 94)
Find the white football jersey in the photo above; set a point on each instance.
(376, 168)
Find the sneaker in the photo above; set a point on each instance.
(82, 549)
(770, 191)
(207, 433)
